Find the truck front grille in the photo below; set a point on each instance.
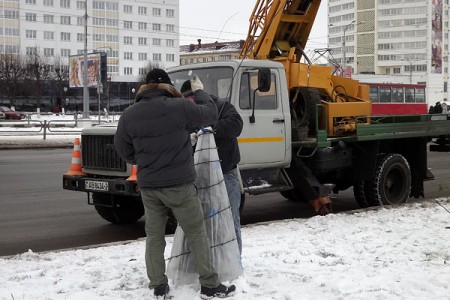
(98, 152)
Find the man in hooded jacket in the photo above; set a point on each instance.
(154, 134)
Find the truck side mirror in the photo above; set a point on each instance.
(264, 80)
(264, 83)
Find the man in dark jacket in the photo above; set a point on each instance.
(154, 134)
(226, 130)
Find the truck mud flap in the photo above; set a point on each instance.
(101, 185)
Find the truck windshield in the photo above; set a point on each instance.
(216, 81)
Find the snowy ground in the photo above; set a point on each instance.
(387, 253)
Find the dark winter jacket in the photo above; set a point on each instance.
(227, 129)
(155, 132)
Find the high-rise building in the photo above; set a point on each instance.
(392, 41)
(131, 32)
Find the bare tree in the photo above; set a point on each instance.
(150, 66)
(60, 78)
(12, 73)
(38, 71)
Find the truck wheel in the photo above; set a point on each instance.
(292, 195)
(171, 224)
(392, 181)
(127, 210)
(362, 195)
(310, 98)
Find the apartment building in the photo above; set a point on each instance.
(386, 41)
(131, 32)
(218, 51)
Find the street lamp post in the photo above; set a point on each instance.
(66, 100)
(347, 27)
(410, 68)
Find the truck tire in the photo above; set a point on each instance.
(361, 193)
(310, 98)
(392, 181)
(292, 195)
(125, 210)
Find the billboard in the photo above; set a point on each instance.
(76, 69)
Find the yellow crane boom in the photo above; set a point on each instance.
(279, 30)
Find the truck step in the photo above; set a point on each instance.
(266, 180)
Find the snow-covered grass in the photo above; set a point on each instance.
(389, 253)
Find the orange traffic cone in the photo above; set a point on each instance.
(75, 166)
(133, 176)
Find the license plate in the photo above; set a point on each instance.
(96, 185)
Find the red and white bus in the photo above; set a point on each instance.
(398, 99)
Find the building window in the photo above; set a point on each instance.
(65, 20)
(81, 5)
(128, 9)
(49, 52)
(31, 51)
(142, 71)
(11, 14)
(80, 21)
(142, 56)
(156, 56)
(30, 17)
(65, 52)
(128, 24)
(128, 71)
(156, 42)
(170, 13)
(49, 19)
(30, 2)
(12, 31)
(80, 37)
(142, 41)
(156, 12)
(142, 10)
(170, 28)
(142, 26)
(65, 3)
(49, 35)
(127, 40)
(156, 27)
(128, 55)
(30, 34)
(170, 57)
(65, 36)
(170, 43)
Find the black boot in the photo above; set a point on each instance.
(161, 290)
(220, 291)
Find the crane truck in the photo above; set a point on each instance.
(307, 133)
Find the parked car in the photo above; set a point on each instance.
(11, 114)
(2, 115)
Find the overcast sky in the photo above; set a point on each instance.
(229, 21)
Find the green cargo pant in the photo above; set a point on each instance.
(186, 207)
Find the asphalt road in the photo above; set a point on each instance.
(37, 214)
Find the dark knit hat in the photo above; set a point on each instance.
(158, 76)
(186, 89)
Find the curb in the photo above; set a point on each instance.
(36, 146)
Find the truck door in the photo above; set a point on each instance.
(264, 141)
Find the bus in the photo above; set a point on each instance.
(398, 98)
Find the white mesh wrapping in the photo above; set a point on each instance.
(218, 220)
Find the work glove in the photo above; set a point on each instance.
(196, 84)
(194, 138)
